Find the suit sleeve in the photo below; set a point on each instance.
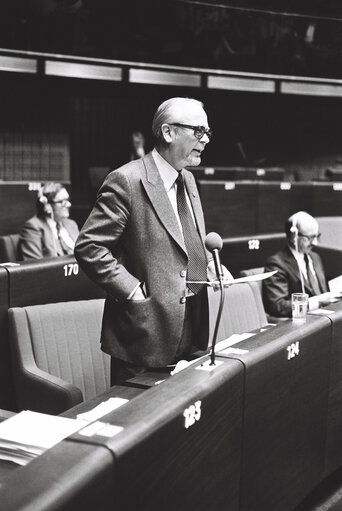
(276, 292)
(101, 236)
(31, 241)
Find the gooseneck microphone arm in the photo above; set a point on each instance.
(213, 243)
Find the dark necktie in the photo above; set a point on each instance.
(64, 249)
(313, 282)
(197, 264)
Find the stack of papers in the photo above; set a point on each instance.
(28, 434)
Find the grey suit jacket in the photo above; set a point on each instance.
(37, 241)
(132, 235)
(277, 289)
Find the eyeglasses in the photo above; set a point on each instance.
(199, 131)
(310, 238)
(62, 202)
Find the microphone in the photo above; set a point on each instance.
(213, 243)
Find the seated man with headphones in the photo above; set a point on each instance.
(299, 269)
(49, 233)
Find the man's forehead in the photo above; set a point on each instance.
(62, 193)
(308, 225)
(187, 112)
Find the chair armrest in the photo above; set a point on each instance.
(43, 392)
(35, 388)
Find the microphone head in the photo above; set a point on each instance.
(213, 241)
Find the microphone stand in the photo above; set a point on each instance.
(219, 314)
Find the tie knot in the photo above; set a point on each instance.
(180, 178)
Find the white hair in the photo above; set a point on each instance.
(165, 113)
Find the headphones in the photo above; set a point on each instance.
(294, 228)
(294, 232)
(47, 208)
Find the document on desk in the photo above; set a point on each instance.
(102, 409)
(335, 285)
(28, 434)
(233, 339)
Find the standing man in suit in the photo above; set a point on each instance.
(49, 233)
(135, 245)
(297, 267)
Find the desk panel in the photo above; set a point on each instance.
(180, 446)
(334, 424)
(218, 173)
(57, 279)
(244, 252)
(285, 412)
(327, 199)
(229, 207)
(278, 201)
(6, 382)
(69, 477)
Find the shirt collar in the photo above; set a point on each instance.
(168, 173)
(299, 256)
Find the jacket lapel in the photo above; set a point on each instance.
(293, 265)
(155, 190)
(319, 273)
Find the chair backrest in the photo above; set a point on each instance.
(253, 271)
(58, 343)
(243, 310)
(9, 248)
(330, 228)
(257, 287)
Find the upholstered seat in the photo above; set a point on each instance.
(258, 289)
(9, 248)
(243, 310)
(57, 360)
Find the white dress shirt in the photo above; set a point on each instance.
(299, 256)
(62, 232)
(169, 176)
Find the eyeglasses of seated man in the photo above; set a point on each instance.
(313, 238)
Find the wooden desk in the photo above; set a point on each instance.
(285, 413)
(180, 446)
(334, 423)
(50, 280)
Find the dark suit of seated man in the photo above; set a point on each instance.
(299, 269)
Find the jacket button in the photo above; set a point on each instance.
(183, 299)
(183, 273)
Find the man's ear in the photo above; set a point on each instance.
(167, 133)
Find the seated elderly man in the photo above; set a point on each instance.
(50, 233)
(299, 269)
